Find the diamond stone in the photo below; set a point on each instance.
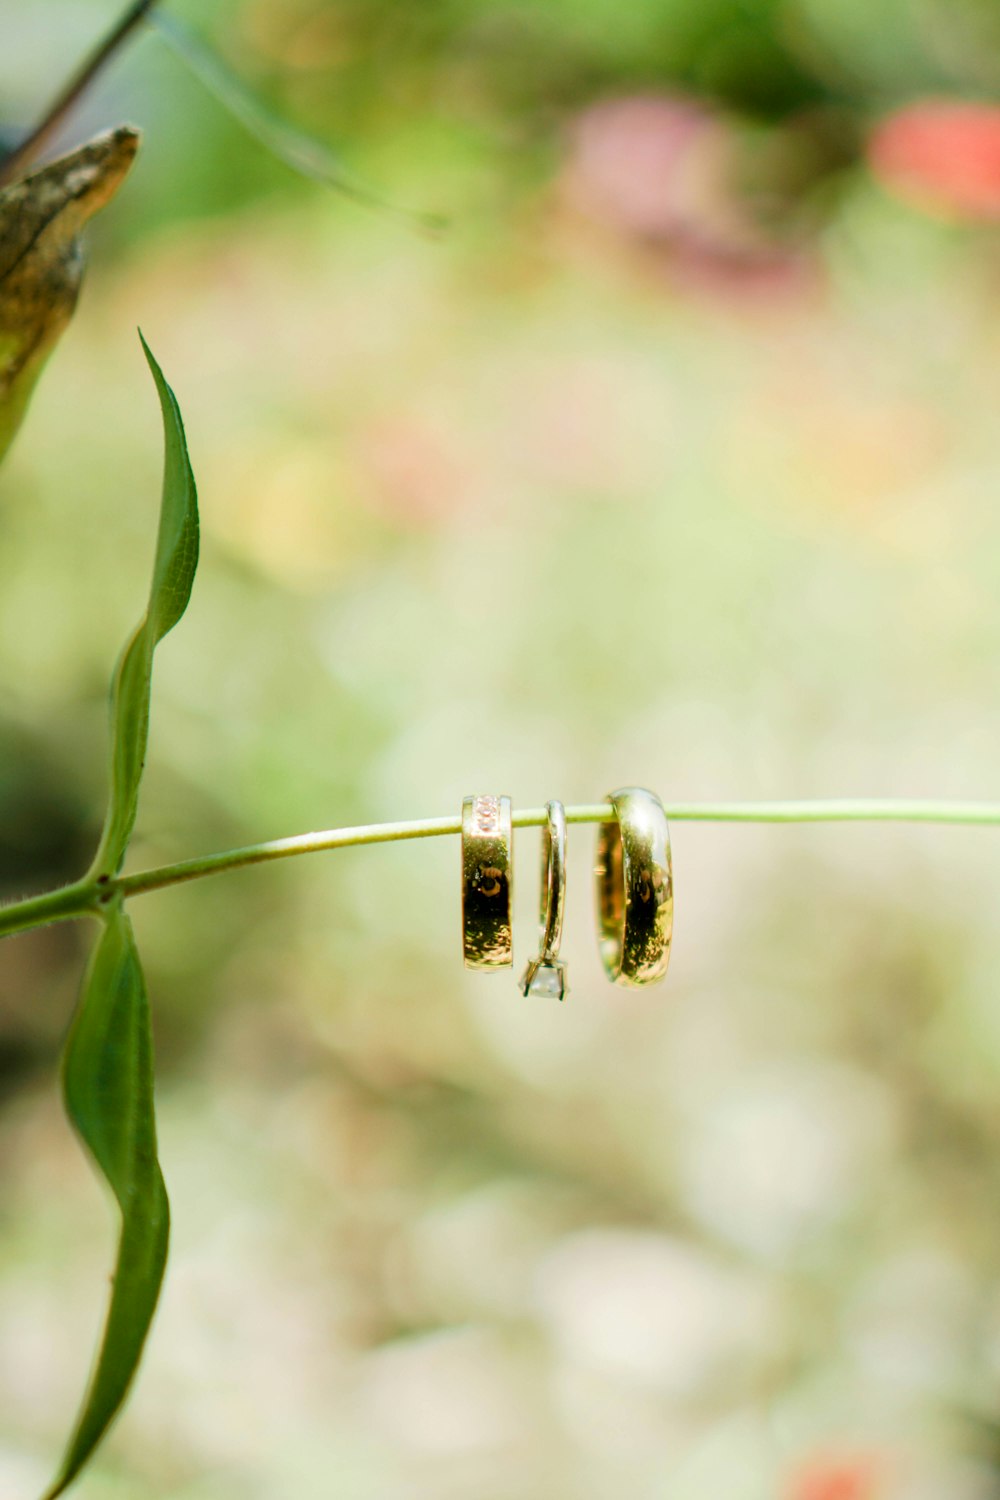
(486, 814)
(545, 979)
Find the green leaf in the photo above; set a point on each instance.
(301, 152)
(108, 1090)
(173, 576)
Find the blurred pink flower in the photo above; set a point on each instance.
(943, 154)
(640, 163)
(835, 1479)
(410, 470)
(659, 173)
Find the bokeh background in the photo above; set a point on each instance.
(674, 459)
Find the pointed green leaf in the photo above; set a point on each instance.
(108, 1090)
(173, 576)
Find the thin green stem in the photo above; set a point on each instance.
(17, 162)
(88, 895)
(868, 811)
(82, 898)
(855, 810)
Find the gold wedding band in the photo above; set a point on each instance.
(546, 974)
(487, 881)
(635, 891)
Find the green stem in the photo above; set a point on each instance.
(88, 895)
(856, 810)
(533, 817)
(82, 898)
(20, 159)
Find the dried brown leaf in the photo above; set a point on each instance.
(42, 260)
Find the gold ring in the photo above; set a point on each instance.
(635, 890)
(487, 881)
(546, 974)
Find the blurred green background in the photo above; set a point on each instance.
(674, 460)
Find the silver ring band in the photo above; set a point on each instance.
(546, 974)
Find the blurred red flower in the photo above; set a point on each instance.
(942, 154)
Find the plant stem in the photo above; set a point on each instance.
(87, 895)
(868, 811)
(82, 898)
(15, 164)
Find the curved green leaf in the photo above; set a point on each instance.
(301, 152)
(108, 1090)
(173, 577)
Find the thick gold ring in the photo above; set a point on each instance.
(635, 889)
(546, 974)
(487, 882)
